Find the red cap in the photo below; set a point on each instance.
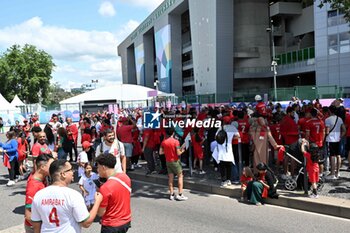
(86, 144)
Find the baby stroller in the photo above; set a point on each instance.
(297, 182)
(292, 184)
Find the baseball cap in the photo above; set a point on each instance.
(86, 144)
(258, 98)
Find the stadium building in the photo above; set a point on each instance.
(237, 48)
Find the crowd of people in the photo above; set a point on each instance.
(265, 132)
(50, 204)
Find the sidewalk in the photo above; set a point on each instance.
(210, 183)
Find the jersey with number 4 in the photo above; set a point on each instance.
(60, 209)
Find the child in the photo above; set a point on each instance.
(22, 151)
(83, 158)
(312, 156)
(197, 142)
(87, 186)
(246, 177)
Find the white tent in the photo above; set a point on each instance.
(17, 102)
(6, 107)
(119, 93)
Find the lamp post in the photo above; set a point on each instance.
(274, 60)
(94, 82)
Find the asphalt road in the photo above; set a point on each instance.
(153, 212)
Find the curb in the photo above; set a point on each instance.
(324, 205)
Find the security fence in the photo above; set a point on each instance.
(283, 94)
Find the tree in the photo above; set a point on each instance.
(26, 72)
(342, 5)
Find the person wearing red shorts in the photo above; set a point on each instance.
(311, 153)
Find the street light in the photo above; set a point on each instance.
(274, 60)
(94, 82)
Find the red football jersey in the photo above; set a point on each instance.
(316, 128)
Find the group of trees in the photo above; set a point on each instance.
(27, 72)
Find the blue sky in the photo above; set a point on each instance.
(81, 35)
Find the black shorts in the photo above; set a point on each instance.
(333, 148)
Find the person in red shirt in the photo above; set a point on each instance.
(197, 142)
(243, 129)
(315, 132)
(172, 150)
(303, 118)
(40, 147)
(86, 135)
(312, 156)
(260, 106)
(147, 148)
(246, 177)
(35, 182)
(115, 208)
(290, 135)
(124, 133)
(315, 129)
(22, 150)
(72, 136)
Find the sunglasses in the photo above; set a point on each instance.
(71, 169)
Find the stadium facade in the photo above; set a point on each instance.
(198, 47)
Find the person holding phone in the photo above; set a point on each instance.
(172, 150)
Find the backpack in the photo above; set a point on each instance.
(221, 137)
(315, 153)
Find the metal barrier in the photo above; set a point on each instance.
(247, 95)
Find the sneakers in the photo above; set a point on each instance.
(312, 195)
(181, 197)
(172, 197)
(201, 172)
(331, 177)
(10, 183)
(226, 183)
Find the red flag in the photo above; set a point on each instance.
(7, 161)
(280, 155)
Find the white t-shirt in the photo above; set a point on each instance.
(114, 150)
(333, 136)
(60, 209)
(224, 152)
(82, 158)
(89, 185)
